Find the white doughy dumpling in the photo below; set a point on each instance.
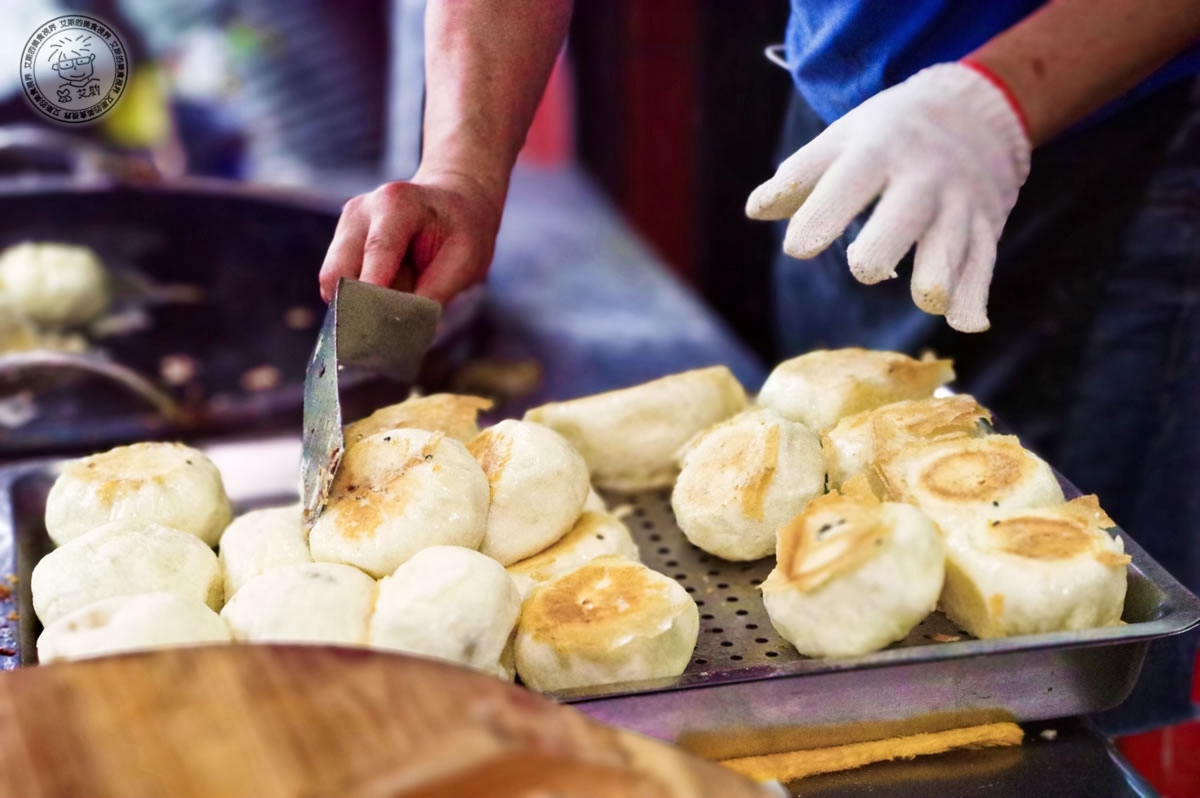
(608, 621)
(146, 483)
(630, 437)
(260, 540)
(448, 603)
(122, 559)
(448, 413)
(594, 502)
(19, 334)
(399, 492)
(743, 479)
(538, 482)
(1035, 571)
(312, 603)
(131, 623)
(823, 387)
(853, 576)
(594, 535)
(859, 441)
(56, 285)
(958, 480)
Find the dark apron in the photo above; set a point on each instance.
(1093, 356)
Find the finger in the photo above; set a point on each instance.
(344, 256)
(968, 306)
(386, 244)
(904, 212)
(782, 195)
(841, 194)
(395, 220)
(940, 253)
(451, 272)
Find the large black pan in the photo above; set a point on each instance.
(252, 254)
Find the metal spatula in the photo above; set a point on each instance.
(369, 328)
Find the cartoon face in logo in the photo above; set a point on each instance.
(72, 59)
(74, 68)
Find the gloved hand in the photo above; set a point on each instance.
(946, 153)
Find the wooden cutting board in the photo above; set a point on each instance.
(284, 721)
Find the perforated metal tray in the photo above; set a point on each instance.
(746, 689)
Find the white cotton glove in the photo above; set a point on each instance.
(946, 153)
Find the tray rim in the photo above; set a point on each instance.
(1181, 610)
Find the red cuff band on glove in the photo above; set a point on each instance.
(995, 80)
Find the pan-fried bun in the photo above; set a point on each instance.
(1033, 571)
(19, 334)
(957, 480)
(448, 603)
(594, 502)
(853, 575)
(630, 437)
(605, 622)
(316, 602)
(122, 559)
(857, 442)
(396, 493)
(259, 541)
(743, 479)
(146, 483)
(593, 535)
(539, 484)
(823, 387)
(55, 285)
(130, 623)
(451, 414)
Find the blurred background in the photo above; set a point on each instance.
(211, 190)
(670, 107)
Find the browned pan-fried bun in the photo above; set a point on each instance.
(317, 602)
(1031, 571)
(823, 387)
(853, 575)
(957, 480)
(131, 623)
(123, 559)
(396, 493)
(742, 479)
(608, 621)
(594, 535)
(630, 437)
(147, 483)
(860, 440)
(448, 413)
(539, 485)
(259, 541)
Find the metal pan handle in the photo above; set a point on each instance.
(20, 365)
(88, 161)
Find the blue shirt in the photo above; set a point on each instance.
(840, 52)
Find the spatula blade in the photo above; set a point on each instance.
(368, 328)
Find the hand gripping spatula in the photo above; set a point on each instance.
(367, 328)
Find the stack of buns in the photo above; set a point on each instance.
(490, 548)
(1017, 557)
(433, 536)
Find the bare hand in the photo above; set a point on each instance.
(434, 236)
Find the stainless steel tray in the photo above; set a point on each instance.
(746, 690)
